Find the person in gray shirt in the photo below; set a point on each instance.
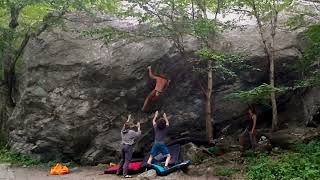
(128, 139)
(160, 128)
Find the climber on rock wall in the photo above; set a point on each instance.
(162, 84)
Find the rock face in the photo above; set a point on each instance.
(193, 153)
(150, 174)
(287, 138)
(75, 91)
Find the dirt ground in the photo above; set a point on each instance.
(8, 172)
(207, 169)
(40, 173)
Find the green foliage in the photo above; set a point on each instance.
(167, 13)
(16, 158)
(313, 34)
(203, 28)
(30, 18)
(1, 69)
(261, 168)
(165, 18)
(173, 19)
(209, 55)
(109, 6)
(257, 94)
(310, 82)
(108, 34)
(303, 14)
(196, 160)
(304, 163)
(225, 171)
(223, 63)
(309, 65)
(250, 154)
(212, 150)
(313, 49)
(3, 139)
(264, 10)
(296, 21)
(309, 148)
(7, 156)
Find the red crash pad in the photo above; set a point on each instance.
(134, 167)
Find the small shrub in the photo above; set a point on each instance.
(225, 171)
(7, 156)
(3, 139)
(302, 163)
(250, 154)
(16, 158)
(197, 161)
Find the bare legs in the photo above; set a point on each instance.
(253, 140)
(150, 159)
(151, 97)
(167, 160)
(165, 164)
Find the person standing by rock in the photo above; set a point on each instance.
(161, 128)
(162, 84)
(252, 126)
(128, 139)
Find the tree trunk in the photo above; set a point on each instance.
(9, 59)
(269, 50)
(9, 76)
(273, 94)
(7, 103)
(271, 57)
(208, 108)
(273, 97)
(8, 65)
(274, 22)
(192, 10)
(2, 107)
(208, 95)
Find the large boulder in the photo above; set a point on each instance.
(147, 175)
(288, 138)
(193, 153)
(76, 91)
(302, 109)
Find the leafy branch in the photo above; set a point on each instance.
(226, 64)
(257, 94)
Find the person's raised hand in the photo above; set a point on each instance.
(149, 67)
(138, 124)
(129, 117)
(164, 115)
(156, 114)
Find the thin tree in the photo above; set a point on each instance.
(266, 15)
(203, 5)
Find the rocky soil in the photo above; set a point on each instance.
(7, 172)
